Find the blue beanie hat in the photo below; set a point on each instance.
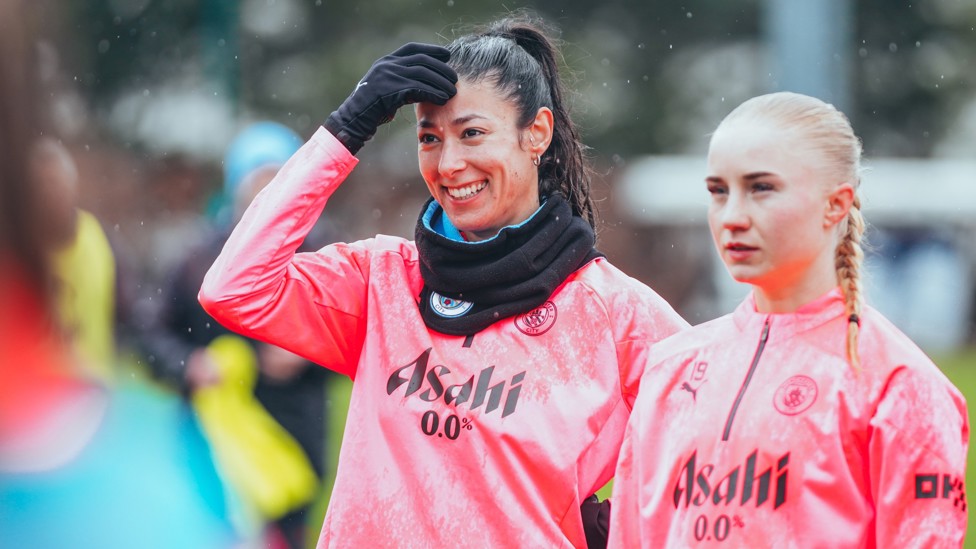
(260, 144)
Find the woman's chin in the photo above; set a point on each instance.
(744, 274)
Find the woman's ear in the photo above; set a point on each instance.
(839, 203)
(540, 131)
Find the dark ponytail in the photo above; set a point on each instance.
(517, 55)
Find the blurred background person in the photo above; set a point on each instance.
(82, 260)
(178, 338)
(80, 466)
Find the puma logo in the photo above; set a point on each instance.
(693, 390)
(697, 374)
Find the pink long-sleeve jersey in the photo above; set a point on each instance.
(490, 440)
(753, 430)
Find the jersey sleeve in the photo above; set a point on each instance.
(640, 323)
(310, 303)
(918, 445)
(625, 512)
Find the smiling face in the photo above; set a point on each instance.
(774, 213)
(477, 163)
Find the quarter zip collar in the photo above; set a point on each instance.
(750, 321)
(819, 311)
(745, 383)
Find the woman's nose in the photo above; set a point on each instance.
(451, 160)
(735, 213)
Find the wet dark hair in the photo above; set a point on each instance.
(517, 55)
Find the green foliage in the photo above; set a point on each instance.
(636, 61)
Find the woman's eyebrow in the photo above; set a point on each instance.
(424, 123)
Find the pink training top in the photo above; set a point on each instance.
(753, 430)
(491, 440)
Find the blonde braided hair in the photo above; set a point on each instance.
(848, 260)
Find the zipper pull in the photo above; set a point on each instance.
(745, 384)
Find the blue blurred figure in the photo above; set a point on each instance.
(180, 333)
(261, 144)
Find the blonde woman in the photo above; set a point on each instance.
(804, 418)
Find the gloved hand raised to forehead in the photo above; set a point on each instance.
(414, 73)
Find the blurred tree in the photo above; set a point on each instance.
(915, 73)
(647, 70)
(174, 79)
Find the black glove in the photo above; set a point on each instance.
(596, 521)
(415, 73)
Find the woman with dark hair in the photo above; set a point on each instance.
(495, 357)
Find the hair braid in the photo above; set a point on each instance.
(848, 262)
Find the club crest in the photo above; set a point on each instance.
(448, 307)
(795, 395)
(537, 321)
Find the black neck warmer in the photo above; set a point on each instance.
(468, 286)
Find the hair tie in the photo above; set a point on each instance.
(855, 319)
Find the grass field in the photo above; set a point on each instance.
(959, 367)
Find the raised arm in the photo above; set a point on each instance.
(312, 304)
(261, 288)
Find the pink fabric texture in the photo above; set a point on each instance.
(804, 452)
(484, 441)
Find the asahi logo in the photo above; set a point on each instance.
(700, 484)
(427, 381)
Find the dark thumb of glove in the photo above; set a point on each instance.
(414, 73)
